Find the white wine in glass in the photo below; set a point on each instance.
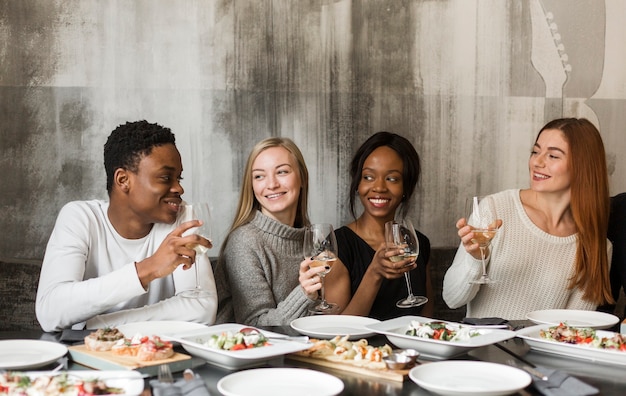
(320, 246)
(482, 217)
(197, 211)
(400, 235)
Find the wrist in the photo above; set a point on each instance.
(143, 273)
(312, 296)
(373, 276)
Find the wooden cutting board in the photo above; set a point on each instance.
(107, 360)
(393, 375)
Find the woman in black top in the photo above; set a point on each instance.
(384, 171)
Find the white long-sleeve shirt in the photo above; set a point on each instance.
(532, 269)
(88, 276)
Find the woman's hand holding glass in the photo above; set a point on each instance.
(310, 279)
(386, 266)
(478, 230)
(403, 246)
(320, 248)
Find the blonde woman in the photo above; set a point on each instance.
(257, 272)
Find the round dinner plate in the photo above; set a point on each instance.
(469, 377)
(27, 354)
(162, 327)
(330, 326)
(576, 318)
(280, 382)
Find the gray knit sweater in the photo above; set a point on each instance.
(257, 275)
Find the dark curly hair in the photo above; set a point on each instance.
(129, 142)
(406, 151)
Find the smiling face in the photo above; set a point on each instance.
(381, 186)
(153, 192)
(276, 184)
(549, 163)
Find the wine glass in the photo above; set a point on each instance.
(483, 219)
(401, 235)
(320, 246)
(197, 211)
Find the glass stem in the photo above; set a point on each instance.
(407, 278)
(482, 256)
(197, 276)
(323, 303)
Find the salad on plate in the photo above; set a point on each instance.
(441, 331)
(583, 336)
(235, 341)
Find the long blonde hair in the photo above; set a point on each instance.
(590, 205)
(248, 204)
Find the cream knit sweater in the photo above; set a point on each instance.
(532, 269)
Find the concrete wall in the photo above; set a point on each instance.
(470, 82)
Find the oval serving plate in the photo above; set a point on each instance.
(395, 331)
(330, 326)
(573, 317)
(469, 377)
(280, 382)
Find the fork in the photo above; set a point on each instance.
(165, 374)
(252, 330)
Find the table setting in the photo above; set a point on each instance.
(493, 360)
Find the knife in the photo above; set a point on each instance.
(528, 366)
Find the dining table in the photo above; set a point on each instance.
(608, 379)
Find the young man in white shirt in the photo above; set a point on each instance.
(126, 260)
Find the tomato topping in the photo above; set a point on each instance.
(238, 347)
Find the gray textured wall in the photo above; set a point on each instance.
(470, 82)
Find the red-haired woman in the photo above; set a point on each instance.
(552, 250)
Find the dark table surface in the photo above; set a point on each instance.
(610, 380)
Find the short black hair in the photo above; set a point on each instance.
(410, 160)
(129, 142)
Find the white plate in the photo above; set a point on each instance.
(467, 377)
(131, 381)
(280, 382)
(193, 342)
(395, 331)
(584, 352)
(163, 327)
(330, 326)
(593, 319)
(26, 354)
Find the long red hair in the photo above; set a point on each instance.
(590, 206)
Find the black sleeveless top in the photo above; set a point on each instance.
(357, 255)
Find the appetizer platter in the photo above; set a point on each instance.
(71, 383)
(357, 356)
(599, 346)
(435, 339)
(110, 349)
(235, 346)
